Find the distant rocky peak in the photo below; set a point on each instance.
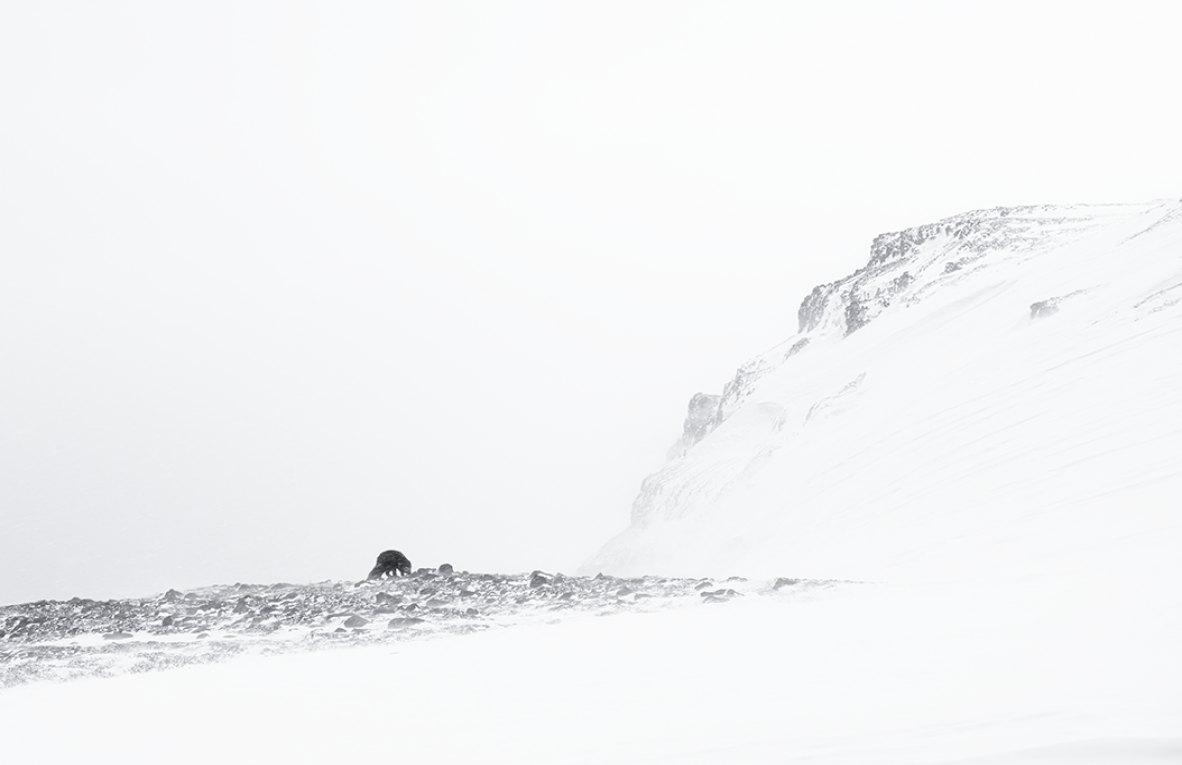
(907, 264)
(905, 267)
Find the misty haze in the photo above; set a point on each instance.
(648, 383)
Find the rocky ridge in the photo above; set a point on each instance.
(65, 640)
(903, 269)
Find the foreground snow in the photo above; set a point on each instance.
(872, 674)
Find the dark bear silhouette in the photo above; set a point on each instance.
(390, 563)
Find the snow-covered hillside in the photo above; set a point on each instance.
(997, 394)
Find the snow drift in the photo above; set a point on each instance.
(992, 394)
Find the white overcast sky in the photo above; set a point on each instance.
(286, 284)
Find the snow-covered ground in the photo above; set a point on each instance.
(984, 430)
(884, 674)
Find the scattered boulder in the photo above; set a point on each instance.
(403, 621)
(446, 569)
(1043, 308)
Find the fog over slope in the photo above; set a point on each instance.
(997, 393)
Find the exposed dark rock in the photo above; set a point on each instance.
(701, 418)
(403, 621)
(537, 580)
(1044, 308)
(1050, 306)
(355, 622)
(812, 308)
(446, 569)
(857, 312)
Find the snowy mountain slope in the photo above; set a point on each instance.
(993, 394)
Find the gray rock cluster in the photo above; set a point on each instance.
(63, 640)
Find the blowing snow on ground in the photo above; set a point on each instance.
(938, 525)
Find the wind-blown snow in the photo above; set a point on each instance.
(983, 427)
(992, 395)
(874, 676)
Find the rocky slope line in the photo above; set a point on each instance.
(65, 640)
